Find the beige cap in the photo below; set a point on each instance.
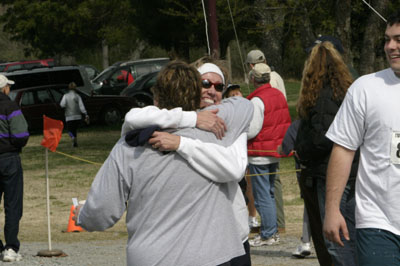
(255, 56)
(4, 81)
(260, 70)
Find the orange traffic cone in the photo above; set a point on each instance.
(71, 223)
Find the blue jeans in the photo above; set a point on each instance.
(341, 256)
(264, 199)
(377, 247)
(11, 185)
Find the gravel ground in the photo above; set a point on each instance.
(112, 252)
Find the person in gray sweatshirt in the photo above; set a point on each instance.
(74, 108)
(175, 215)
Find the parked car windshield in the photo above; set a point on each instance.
(103, 74)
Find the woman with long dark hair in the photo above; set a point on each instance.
(324, 84)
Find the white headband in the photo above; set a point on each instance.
(211, 68)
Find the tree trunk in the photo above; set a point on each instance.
(213, 29)
(306, 33)
(271, 22)
(139, 48)
(343, 27)
(373, 31)
(106, 59)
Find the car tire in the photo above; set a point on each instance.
(142, 100)
(111, 116)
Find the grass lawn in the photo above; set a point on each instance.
(72, 178)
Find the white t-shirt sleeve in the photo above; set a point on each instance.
(258, 118)
(152, 115)
(216, 162)
(347, 129)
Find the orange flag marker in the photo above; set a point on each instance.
(52, 131)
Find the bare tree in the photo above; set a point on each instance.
(373, 33)
(306, 31)
(343, 26)
(271, 21)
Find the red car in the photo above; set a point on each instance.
(45, 100)
(26, 64)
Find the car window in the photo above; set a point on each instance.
(58, 93)
(32, 65)
(27, 98)
(121, 76)
(150, 83)
(12, 95)
(142, 69)
(43, 96)
(103, 74)
(91, 72)
(14, 67)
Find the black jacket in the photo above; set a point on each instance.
(13, 127)
(311, 145)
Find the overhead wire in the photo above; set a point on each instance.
(238, 45)
(373, 9)
(205, 20)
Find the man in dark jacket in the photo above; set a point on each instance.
(13, 136)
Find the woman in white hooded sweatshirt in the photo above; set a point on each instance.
(74, 108)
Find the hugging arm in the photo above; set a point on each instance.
(216, 162)
(152, 115)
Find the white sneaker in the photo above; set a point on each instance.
(10, 255)
(253, 222)
(277, 237)
(302, 250)
(257, 241)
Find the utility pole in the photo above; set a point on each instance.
(213, 28)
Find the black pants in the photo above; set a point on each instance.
(72, 127)
(11, 185)
(310, 195)
(243, 260)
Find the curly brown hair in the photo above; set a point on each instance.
(178, 85)
(323, 67)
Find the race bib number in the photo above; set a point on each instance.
(395, 148)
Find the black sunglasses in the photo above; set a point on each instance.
(207, 84)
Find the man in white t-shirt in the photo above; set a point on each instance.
(369, 119)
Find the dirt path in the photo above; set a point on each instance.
(112, 252)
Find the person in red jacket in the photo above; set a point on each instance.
(270, 121)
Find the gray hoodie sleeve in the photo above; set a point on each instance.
(106, 201)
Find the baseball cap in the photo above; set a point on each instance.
(255, 56)
(326, 38)
(4, 81)
(230, 87)
(259, 70)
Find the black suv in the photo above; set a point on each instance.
(115, 78)
(50, 75)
